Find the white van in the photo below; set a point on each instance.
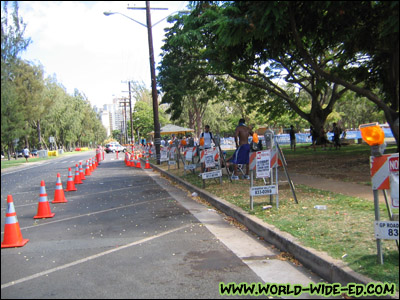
(114, 147)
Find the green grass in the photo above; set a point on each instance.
(348, 150)
(5, 163)
(345, 230)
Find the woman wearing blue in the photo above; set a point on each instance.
(241, 155)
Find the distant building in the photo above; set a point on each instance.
(112, 116)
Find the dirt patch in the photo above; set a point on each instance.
(344, 168)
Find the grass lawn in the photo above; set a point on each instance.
(5, 163)
(345, 230)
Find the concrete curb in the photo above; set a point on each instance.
(330, 269)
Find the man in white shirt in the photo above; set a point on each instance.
(26, 153)
(207, 135)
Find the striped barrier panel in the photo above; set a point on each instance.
(215, 154)
(381, 168)
(273, 158)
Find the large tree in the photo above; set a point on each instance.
(322, 48)
(210, 47)
(29, 87)
(353, 44)
(13, 43)
(186, 82)
(365, 38)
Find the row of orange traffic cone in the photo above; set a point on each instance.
(130, 161)
(12, 232)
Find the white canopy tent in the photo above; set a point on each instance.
(172, 129)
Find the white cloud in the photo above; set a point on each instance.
(89, 51)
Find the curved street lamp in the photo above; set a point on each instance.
(109, 13)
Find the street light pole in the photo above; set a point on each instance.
(130, 110)
(157, 135)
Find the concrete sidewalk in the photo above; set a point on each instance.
(335, 186)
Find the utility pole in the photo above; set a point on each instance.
(130, 107)
(157, 135)
(130, 110)
(125, 127)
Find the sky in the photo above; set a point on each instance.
(91, 52)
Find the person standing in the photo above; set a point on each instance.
(336, 136)
(207, 137)
(241, 155)
(313, 135)
(292, 135)
(26, 153)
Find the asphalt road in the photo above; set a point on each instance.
(126, 233)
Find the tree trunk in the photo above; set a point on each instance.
(39, 135)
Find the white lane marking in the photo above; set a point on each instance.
(77, 196)
(95, 213)
(83, 260)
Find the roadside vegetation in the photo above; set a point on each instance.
(5, 163)
(345, 230)
(335, 61)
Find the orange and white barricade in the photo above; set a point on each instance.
(215, 153)
(189, 153)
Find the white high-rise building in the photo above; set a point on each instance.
(112, 116)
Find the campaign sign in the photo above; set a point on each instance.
(164, 155)
(263, 164)
(213, 174)
(387, 230)
(394, 164)
(172, 153)
(209, 158)
(189, 155)
(263, 190)
(394, 189)
(190, 167)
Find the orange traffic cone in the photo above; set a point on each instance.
(44, 206)
(77, 178)
(59, 196)
(93, 165)
(81, 171)
(12, 232)
(147, 165)
(87, 170)
(132, 161)
(138, 165)
(90, 166)
(70, 184)
(127, 159)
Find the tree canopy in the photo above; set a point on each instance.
(33, 108)
(304, 53)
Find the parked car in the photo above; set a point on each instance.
(34, 152)
(114, 147)
(20, 153)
